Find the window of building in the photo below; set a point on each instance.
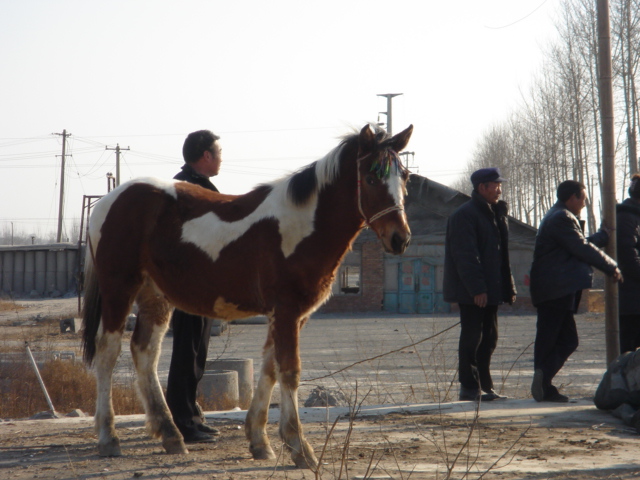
(350, 279)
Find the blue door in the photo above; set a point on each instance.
(416, 287)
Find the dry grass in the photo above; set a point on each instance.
(70, 386)
(69, 383)
(8, 306)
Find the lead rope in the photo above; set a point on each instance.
(367, 222)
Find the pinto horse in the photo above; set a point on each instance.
(273, 251)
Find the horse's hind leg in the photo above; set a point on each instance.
(256, 422)
(154, 313)
(286, 339)
(108, 346)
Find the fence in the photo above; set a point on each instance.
(44, 270)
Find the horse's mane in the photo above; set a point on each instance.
(311, 179)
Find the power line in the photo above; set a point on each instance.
(519, 20)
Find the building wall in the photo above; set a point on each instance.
(369, 299)
(521, 259)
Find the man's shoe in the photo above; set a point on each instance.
(196, 436)
(537, 389)
(551, 394)
(469, 394)
(492, 395)
(204, 428)
(556, 397)
(473, 395)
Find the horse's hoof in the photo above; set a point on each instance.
(110, 449)
(175, 447)
(308, 461)
(262, 453)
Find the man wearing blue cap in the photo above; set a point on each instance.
(477, 276)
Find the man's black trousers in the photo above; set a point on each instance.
(191, 334)
(478, 340)
(556, 340)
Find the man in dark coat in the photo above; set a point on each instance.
(561, 269)
(191, 333)
(628, 243)
(477, 276)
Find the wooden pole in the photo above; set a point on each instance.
(44, 388)
(608, 173)
(61, 205)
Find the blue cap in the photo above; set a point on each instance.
(491, 174)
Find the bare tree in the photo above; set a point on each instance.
(554, 134)
(625, 23)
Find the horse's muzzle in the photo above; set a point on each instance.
(399, 243)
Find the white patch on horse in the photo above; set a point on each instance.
(211, 234)
(396, 188)
(327, 168)
(108, 346)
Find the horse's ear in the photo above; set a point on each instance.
(400, 141)
(366, 140)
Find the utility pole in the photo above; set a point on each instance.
(111, 182)
(64, 136)
(535, 197)
(389, 113)
(118, 150)
(608, 173)
(409, 164)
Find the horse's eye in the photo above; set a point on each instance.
(371, 180)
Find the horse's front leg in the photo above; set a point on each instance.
(256, 422)
(286, 341)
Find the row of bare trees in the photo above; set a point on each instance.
(19, 236)
(554, 134)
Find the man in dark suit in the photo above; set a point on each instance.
(191, 333)
(561, 269)
(477, 276)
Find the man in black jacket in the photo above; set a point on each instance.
(561, 269)
(477, 276)
(628, 242)
(191, 333)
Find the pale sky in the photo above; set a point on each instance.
(279, 81)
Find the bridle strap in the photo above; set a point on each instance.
(376, 216)
(385, 211)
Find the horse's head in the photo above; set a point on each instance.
(382, 187)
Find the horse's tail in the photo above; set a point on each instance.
(92, 307)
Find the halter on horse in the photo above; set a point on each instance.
(273, 251)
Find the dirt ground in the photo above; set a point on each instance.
(515, 438)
